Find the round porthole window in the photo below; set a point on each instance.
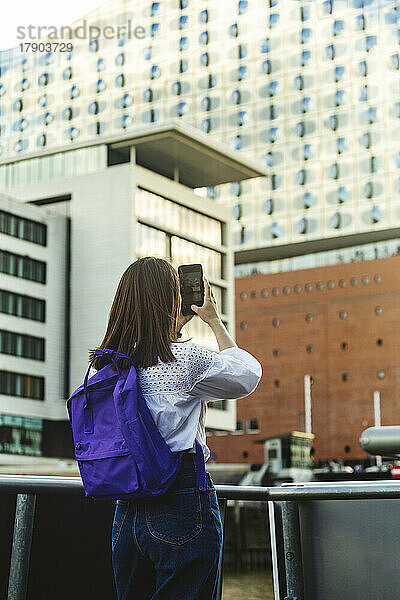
(243, 296)
(264, 293)
(275, 322)
(331, 284)
(343, 314)
(378, 278)
(297, 289)
(381, 374)
(309, 318)
(308, 287)
(243, 325)
(378, 310)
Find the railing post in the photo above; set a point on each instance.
(21, 546)
(222, 505)
(292, 551)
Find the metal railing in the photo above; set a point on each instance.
(28, 487)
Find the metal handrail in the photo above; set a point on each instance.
(27, 487)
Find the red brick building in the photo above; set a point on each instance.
(341, 325)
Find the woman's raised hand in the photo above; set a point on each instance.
(208, 312)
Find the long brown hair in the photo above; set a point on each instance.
(143, 319)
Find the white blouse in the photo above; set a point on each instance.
(177, 393)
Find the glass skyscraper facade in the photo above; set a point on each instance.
(312, 88)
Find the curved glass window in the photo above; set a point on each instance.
(120, 59)
(376, 214)
(305, 35)
(328, 6)
(183, 4)
(305, 104)
(154, 8)
(343, 194)
(370, 42)
(374, 164)
(273, 134)
(42, 100)
(67, 114)
(237, 211)
(242, 118)
(182, 109)
(397, 109)
(265, 46)
(24, 65)
(302, 226)
(236, 188)
(205, 59)
(339, 72)
(276, 230)
(205, 103)
(183, 21)
(243, 5)
(300, 129)
(212, 80)
(73, 133)
(101, 64)
(67, 74)
(206, 125)
(365, 140)
(330, 52)
(363, 94)
(204, 16)
(147, 53)
(334, 171)
(25, 84)
(148, 95)
(155, 28)
(362, 68)
(308, 200)
(183, 43)
(204, 38)
(234, 30)
(301, 177)
(333, 122)
(305, 57)
(276, 181)
(338, 27)
(74, 93)
(372, 114)
(360, 22)
(237, 142)
(126, 121)
(122, 39)
(339, 97)
(395, 59)
(120, 80)
(266, 67)
(304, 13)
(18, 105)
(183, 65)
(242, 50)
(368, 190)
(273, 20)
(176, 88)
(273, 88)
(94, 46)
(236, 97)
(20, 125)
(273, 112)
(299, 82)
(268, 206)
(307, 152)
(93, 108)
(341, 145)
(155, 72)
(335, 222)
(41, 140)
(101, 86)
(48, 117)
(242, 72)
(127, 100)
(21, 145)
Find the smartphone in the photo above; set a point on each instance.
(192, 287)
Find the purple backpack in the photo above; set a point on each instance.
(118, 447)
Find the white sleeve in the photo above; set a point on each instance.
(230, 374)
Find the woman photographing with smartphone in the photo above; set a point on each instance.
(169, 547)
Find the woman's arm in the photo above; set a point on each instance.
(208, 312)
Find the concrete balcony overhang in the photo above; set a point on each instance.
(200, 159)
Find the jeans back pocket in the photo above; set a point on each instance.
(174, 518)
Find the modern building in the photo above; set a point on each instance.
(130, 196)
(33, 323)
(311, 88)
(338, 324)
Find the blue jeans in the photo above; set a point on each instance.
(169, 547)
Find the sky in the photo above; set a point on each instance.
(40, 12)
